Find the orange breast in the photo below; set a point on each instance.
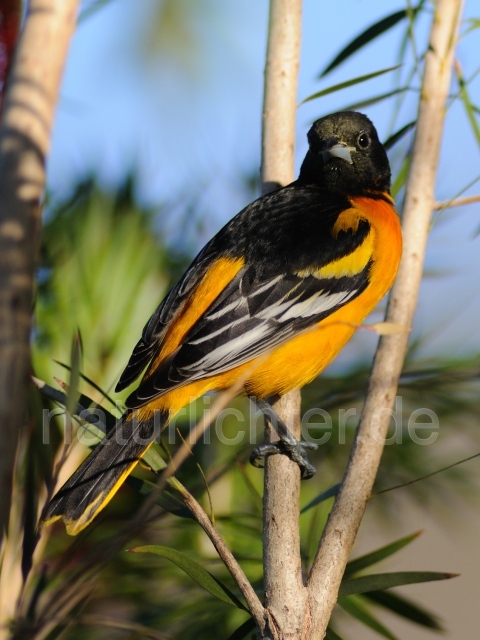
(303, 358)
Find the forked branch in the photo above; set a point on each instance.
(344, 520)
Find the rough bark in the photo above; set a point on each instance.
(284, 591)
(344, 520)
(24, 143)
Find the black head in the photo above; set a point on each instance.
(345, 155)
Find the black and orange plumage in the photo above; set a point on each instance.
(273, 297)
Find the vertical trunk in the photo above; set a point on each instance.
(285, 594)
(24, 142)
(339, 534)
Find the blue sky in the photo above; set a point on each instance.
(189, 114)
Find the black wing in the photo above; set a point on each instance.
(251, 316)
(158, 323)
(278, 235)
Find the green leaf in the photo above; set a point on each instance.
(368, 102)
(365, 38)
(354, 566)
(355, 608)
(200, 575)
(154, 460)
(348, 83)
(401, 178)
(243, 629)
(469, 107)
(93, 384)
(90, 434)
(93, 8)
(380, 581)
(167, 499)
(329, 493)
(331, 634)
(252, 491)
(404, 608)
(76, 364)
(473, 23)
(398, 135)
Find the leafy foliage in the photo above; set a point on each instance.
(103, 271)
(102, 274)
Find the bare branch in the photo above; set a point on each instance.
(24, 142)
(184, 451)
(254, 605)
(344, 520)
(280, 93)
(285, 593)
(456, 202)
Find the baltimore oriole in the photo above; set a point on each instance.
(274, 295)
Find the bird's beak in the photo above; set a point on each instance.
(336, 149)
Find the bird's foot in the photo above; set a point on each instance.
(296, 452)
(287, 445)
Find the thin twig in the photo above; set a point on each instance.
(344, 520)
(143, 515)
(183, 451)
(254, 605)
(456, 202)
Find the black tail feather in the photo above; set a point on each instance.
(99, 477)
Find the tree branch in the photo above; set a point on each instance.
(285, 594)
(142, 516)
(344, 520)
(254, 605)
(456, 202)
(24, 142)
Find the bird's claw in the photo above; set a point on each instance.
(295, 449)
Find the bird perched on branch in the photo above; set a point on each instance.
(273, 297)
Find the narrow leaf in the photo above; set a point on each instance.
(427, 475)
(76, 364)
(396, 137)
(348, 83)
(401, 178)
(368, 102)
(473, 23)
(92, 384)
(89, 11)
(363, 562)
(331, 634)
(89, 434)
(361, 613)
(167, 499)
(329, 493)
(380, 581)
(154, 460)
(243, 630)
(200, 575)
(469, 108)
(365, 38)
(404, 608)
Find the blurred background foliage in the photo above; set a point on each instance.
(104, 268)
(107, 260)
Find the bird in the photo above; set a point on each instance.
(273, 297)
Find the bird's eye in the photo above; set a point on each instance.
(363, 140)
